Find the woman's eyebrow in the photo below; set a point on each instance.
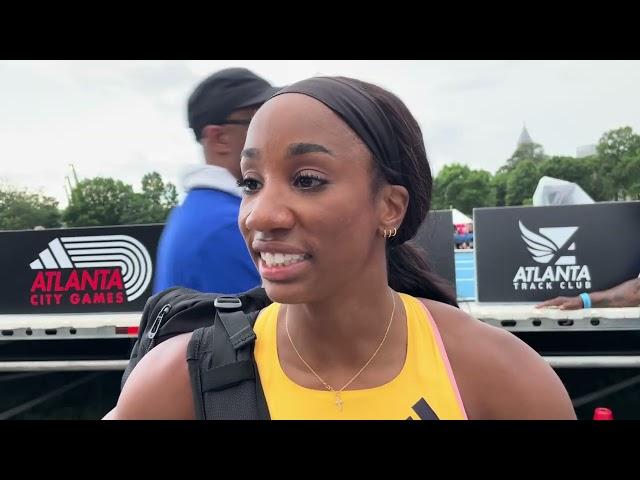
(302, 148)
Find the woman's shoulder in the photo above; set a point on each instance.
(498, 374)
(159, 385)
(452, 320)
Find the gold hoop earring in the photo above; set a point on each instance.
(392, 232)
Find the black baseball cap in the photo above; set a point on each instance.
(223, 92)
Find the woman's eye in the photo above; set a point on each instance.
(308, 181)
(248, 185)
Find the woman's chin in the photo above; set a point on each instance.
(288, 294)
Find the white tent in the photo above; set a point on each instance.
(553, 191)
(459, 217)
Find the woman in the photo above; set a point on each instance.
(336, 181)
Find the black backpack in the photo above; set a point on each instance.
(224, 377)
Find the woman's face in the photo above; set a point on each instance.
(308, 213)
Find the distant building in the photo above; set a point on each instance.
(581, 152)
(585, 151)
(525, 138)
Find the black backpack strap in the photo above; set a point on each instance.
(234, 321)
(194, 353)
(224, 376)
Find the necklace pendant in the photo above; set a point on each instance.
(339, 401)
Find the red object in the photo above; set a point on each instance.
(127, 331)
(602, 413)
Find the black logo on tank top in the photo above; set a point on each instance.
(424, 411)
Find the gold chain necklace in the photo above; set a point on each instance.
(338, 401)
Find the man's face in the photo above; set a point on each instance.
(237, 133)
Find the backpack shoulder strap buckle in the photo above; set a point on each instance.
(227, 303)
(234, 320)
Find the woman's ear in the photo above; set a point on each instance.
(394, 200)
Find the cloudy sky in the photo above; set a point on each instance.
(125, 118)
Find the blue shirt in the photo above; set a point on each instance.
(201, 246)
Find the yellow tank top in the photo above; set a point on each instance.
(425, 388)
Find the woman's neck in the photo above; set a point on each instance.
(344, 328)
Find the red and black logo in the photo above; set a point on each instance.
(87, 270)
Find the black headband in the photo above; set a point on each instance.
(360, 112)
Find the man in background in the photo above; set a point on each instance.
(201, 246)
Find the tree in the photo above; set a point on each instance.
(630, 170)
(106, 201)
(158, 192)
(154, 203)
(98, 201)
(20, 209)
(595, 184)
(527, 151)
(618, 143)
(521, 183)
(619, 156)
(499, 184)
(582, 171)
(460, 187)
